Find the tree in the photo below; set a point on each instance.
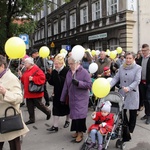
(10, 10)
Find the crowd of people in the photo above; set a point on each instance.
(71, 81)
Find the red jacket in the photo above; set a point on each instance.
(109, 120)
(38, 78)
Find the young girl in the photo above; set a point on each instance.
(103, 124)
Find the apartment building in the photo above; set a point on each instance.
(94, 24)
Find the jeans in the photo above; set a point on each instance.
(95, 133)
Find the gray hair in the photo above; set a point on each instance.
(29, 60)
(72, 59)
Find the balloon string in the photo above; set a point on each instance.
(8, 64)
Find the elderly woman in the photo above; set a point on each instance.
(33, 99)
(57, 80)
(77, 86)
(129, 75)
(10, 95)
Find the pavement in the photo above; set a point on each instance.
(40, 139)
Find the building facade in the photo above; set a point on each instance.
(94, 24)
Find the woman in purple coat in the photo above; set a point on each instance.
(77, 86)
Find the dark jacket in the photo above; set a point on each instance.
(147, 70)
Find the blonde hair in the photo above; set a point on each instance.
(59, 58)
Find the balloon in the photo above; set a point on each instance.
(77, 52)
(63, 51)
(15, 47)
(112, 54)
(23, 54)
(101, 87)
(108, 52)
(109, 79)
(44, 51)
(93, 52)
(93, 67)
(119, 50)
(97, 52)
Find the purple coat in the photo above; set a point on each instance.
(78, 95)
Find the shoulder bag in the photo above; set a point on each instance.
(11, 123)
(35, 88)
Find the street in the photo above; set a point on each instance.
(40, 139)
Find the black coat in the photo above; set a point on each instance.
(147, 69)
(57, 80)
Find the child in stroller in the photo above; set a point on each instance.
(104, 121)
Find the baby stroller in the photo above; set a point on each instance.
(117, 109)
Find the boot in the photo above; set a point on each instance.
(100, 147)
(79, 138)
(148, 120)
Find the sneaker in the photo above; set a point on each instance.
(144, 117)
(66, 125)
(91, 145)
(100, 147)
(55, 129)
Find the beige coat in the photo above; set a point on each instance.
(13, 97)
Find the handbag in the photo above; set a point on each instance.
(11, 123)
(35, 88)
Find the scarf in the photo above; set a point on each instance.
(2, 73)
(128, 67)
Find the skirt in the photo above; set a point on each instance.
(78, 125)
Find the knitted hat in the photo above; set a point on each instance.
(106, 68)
(29, 60)
(106, 106)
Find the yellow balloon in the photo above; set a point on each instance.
(22, 55)
(44, 51)
(62, 51)
(101, 87)
(93, 52)
(119, 50)
(113, 54)
(15, 47)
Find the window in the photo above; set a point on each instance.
(42, 13)
(96, 10)
(98, 45)
(55, 3)
(42, 33)
(49, 31)
(72, 21)
(113, 43)
(49, 10)
(84, 15)
(35, 36)
(55, 27)
(112, 7)
(39, 35)
(63, 24)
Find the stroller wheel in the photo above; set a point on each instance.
(118, 143)
(84, 147)
(123, 146)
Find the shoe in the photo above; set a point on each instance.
(22, 104)
(48, 116)
(66, 125)
(79, 138)
(147, 120)
(91, 145)
(55, 129)
(29, 122)
(100, 147)
(144, 117)
(74, 135)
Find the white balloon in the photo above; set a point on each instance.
(97, 52)
(77, 52)
(93, 67)
(109, 79)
